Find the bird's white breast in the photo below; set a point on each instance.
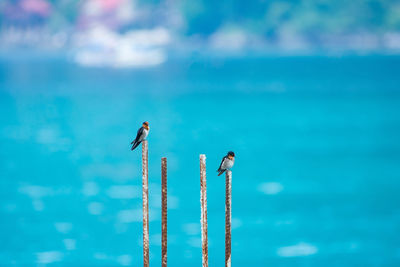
(227, 164)
(145, 133)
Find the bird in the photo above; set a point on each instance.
(141, 135)
(226, 163)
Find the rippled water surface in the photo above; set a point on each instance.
(316, 179)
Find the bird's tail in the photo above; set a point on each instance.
(221, 172)
(135, 145)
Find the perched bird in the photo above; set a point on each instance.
(226, 163)
(141, 135)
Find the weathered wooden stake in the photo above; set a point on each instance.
(145, 185)
(203, 201)
(228, 217)
(164, 212)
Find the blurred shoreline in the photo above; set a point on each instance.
(133, 33)
(149, 48)
(40, 38)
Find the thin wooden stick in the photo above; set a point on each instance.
(145, 185)
(203, 201)
(228, 217)
(164, 212)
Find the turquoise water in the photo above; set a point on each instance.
(317, 171)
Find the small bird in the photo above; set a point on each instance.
(141, 135)
(226, 163)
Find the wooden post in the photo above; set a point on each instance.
(203, 201)
(164, 212)
(228, 217)
(145, 186)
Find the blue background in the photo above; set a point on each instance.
(315, 182)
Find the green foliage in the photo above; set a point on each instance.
(262, 17)
(303, 17)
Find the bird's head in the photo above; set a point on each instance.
(231, 155)
(146, 125)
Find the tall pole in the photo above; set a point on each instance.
(164, 212)
(145, 186)
(228, 217)
(203, 201)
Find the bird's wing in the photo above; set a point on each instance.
(222, 161)
(139, 133)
